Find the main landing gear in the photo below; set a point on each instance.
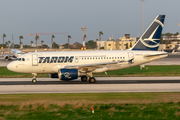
(34, 77)
(84, 78)
(91, 79)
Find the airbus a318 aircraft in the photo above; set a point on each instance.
(70, 65)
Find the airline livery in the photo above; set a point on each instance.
(70, 65)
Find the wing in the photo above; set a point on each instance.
(91, 67)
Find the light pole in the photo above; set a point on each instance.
(83, 30)
(143, 12)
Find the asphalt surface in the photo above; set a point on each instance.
(100, 80)
(103, 84)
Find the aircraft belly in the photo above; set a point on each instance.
(117, 67)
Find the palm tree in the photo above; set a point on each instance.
(68, 41)
(175, 35)
(42, 41)
(37, 37)
(4, 35)
(6, 43)
(96, 43)
(85, 36)
(100, 33)
(21, 43)
(52, 41)
(31, 44)
(162, 38)
(9, 43)
(168, 36)
(20, 37)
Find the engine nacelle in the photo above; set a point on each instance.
(6, 57)
(68, 74)
(53, 75)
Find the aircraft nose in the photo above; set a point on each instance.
(10, 66)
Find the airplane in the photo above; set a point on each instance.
(174, 50)
(69, 65)
(14, 53)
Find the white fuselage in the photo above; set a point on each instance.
(16, 52)
(51, 62)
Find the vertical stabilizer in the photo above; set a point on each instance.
(151, 37)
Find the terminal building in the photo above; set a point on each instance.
(125, 42)
(169, 42)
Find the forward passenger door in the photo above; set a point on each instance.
(34, 60)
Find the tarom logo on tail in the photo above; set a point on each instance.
(151, 37)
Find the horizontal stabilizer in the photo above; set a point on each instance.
(153, 55)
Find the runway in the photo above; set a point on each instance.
(103, 84)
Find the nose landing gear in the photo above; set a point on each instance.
(34, 80)
(34, 77)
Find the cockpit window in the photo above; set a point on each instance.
(19, 59)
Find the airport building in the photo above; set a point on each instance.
(122, 43)
(169, 42)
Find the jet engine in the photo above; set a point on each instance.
(69, 74)
(7, 57)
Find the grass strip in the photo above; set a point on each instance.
(92, 98)
(133, 106)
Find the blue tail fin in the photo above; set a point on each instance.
(151, 37)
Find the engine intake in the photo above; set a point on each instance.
(6, 57)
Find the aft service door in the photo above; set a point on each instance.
(34, 59)
(131, 56)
